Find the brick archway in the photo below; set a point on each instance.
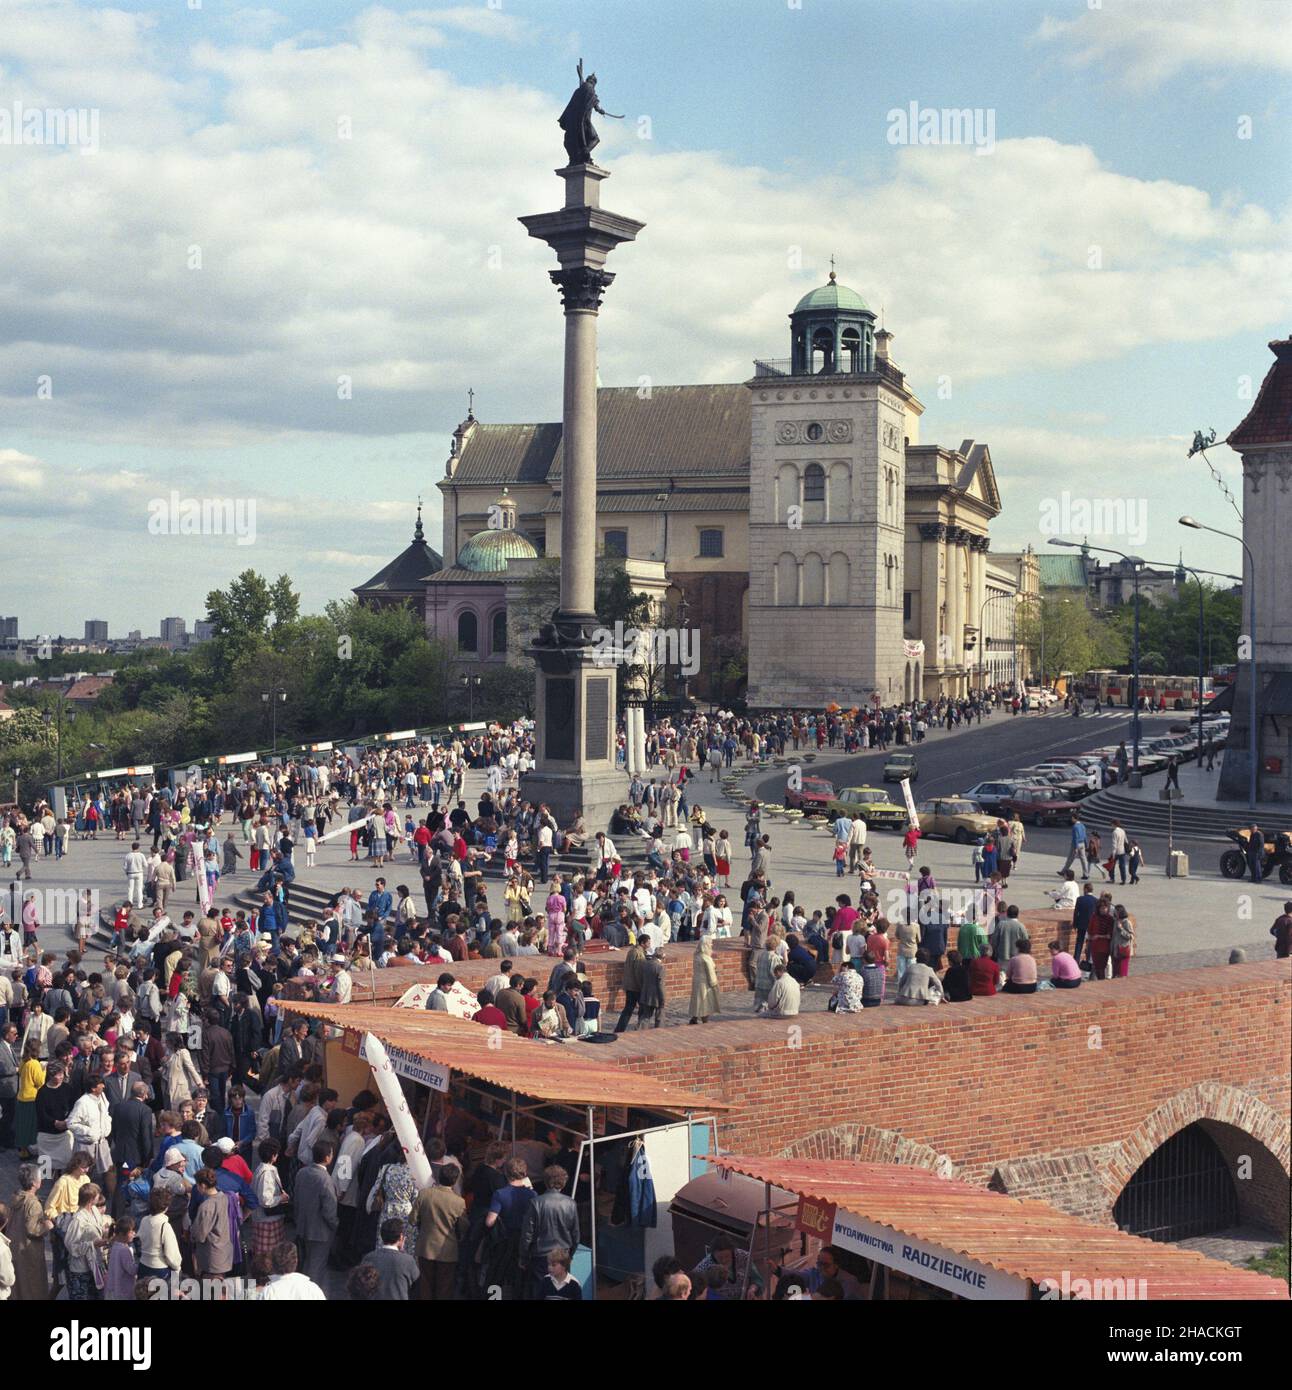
(869, 1144)
(1206, 1101)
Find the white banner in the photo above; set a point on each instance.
(913, 649)
(910, 803)
(407, 1064)
(384, 1073)
(932, 1264)
(230, 758)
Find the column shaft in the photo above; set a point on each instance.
(579, 465)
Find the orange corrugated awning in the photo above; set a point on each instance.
(561, 1073)
(1024, 1238)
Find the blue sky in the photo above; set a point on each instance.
(394, 257)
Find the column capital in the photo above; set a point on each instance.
(581, 286)
(932, 531)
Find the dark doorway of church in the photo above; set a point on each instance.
(1184, 1189)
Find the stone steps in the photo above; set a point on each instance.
(1190, 821)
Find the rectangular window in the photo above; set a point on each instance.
(616, 543)
(906, 606)
(711, 544)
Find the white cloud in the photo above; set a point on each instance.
(1147, 42)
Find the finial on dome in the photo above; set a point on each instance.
(832, 275)
(418, 533)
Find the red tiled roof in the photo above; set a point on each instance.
(562, 1073)
(1270, 419)
(1025, 1238)
(88, 687)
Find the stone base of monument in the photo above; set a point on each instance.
(574, 726)
(597, 794)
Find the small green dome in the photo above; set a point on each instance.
(487, 552)
(832, 296)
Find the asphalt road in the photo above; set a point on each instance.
(1001, 745)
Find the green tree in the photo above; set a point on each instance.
(1075, 639)
(1169, 628)
(251, 616)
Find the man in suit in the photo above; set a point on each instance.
(397, 1270)
(315, 1211)
(133, 1128)
(248, 1035)
(289, 1051)
(8, 1082)
(440, 1216)
(122, 1079)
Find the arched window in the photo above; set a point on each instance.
(822, 351)
(498, 633)
(786, 581)
(813, 581)
(814, 493)
(468, 632)
(851, 350)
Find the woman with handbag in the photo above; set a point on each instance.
(1123, 942)
(86, 1238)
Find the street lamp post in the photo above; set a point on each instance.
(1136, 565)
(471, 684)
(49, 719)
(982, 636)
(273, 698)
(1249, 588)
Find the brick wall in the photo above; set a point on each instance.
(1115, 1067)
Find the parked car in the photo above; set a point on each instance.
(1042, 806)
(814, 794)
(901, 766)
(1074, 788)
(872, 804)
(991, 796)
(954, 818)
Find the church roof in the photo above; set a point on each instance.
(1062, 571)
(832, 296)
(1270, 419)
(507, 454)
(648, 501)
(661, 434)
(406, 573)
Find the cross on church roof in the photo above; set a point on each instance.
(832, 270)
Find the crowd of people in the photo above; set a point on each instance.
(175, 1114)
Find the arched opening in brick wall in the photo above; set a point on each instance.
(1183, 1189)
(1226, 1133)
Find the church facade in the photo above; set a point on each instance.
(794, 517)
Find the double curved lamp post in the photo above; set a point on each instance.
(1136, 565)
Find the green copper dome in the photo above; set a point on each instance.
(487, 552)
(832, 296)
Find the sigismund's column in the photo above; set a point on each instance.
(575, 704)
